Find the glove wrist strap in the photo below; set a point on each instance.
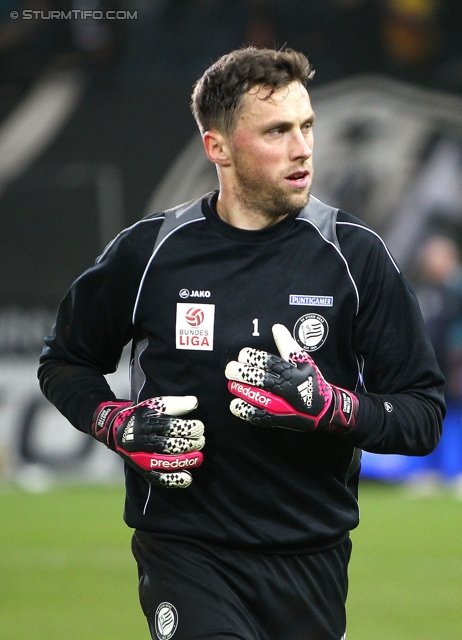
(103, 419)
(345, 408)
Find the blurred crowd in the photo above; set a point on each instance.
(415, 40)
(439, 291)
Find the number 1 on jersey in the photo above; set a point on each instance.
(255, 327)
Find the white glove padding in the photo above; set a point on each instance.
(288, 391)
(151, 439)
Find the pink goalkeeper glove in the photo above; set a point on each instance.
(151, 439)
(288, 391)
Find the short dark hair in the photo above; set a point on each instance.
(217, 95)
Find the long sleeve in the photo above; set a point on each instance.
(403, 406)
(93, 324)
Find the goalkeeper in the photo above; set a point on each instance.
(273, 338)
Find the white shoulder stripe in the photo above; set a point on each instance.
(360, 226)
(341, 256)
(154, 253)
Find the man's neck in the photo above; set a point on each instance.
(243, 218)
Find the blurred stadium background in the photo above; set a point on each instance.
(95, 132)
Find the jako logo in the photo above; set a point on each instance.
(195, 293)
(194, 316)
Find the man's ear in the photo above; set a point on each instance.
(216, 148)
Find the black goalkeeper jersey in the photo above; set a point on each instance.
(190, 291)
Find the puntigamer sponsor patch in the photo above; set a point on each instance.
(311, 301)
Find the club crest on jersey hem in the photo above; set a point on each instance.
(166, 621)
(310, 331)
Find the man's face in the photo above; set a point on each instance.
(271, 151)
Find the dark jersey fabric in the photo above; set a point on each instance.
(270, 490)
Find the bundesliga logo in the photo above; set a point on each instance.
(194, 316)
(194, 326)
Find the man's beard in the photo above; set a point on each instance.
(271, 201)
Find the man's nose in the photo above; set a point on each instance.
(301, 144)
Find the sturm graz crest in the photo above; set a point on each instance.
(311, 331)
(166, 620)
